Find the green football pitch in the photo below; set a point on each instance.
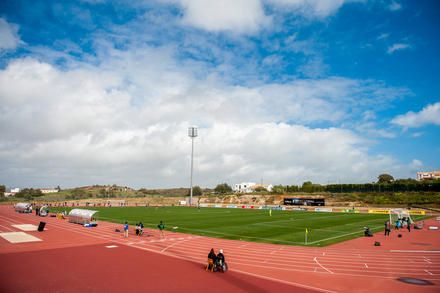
(281, 227)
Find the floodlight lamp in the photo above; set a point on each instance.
(192, 131)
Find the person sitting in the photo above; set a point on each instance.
(220, 259)
(141, 228)
(137, 229)
(211, 260)
(367, 232)
(419, 226)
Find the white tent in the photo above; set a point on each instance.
(23, 207)
(81, 216)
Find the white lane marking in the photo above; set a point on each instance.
(316, 260)
(417, 251)
(284, 282)
(428, 272)
(7, 228)
(175, 243)
(111, 246)
(427, 260)
(366, 266)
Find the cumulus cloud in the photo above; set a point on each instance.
(249, 16)
(237, 16)
(311, 8)
(428, 115)
(394, 6)
(398, 47)
(124, 121)
(9, 38)
(416, 164)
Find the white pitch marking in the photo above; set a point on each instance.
(322, 266)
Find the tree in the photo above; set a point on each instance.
(29, 193)
(260, 189)
(2, 190)
(223, 188)
(278, 189)
(385, 178)
(197, 191)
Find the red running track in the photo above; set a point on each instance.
(72, 258)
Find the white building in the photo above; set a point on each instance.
(15, 190)
(249, 187)
(428, 175)
(48, 190)
(245, 187)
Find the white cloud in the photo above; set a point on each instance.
(428, 115)
(416, 164)
(311, 8)
(249, 16)
(398, 47)
(383, 36)
(394, 6)
(236, 16)
(9, 38)
(124, 121)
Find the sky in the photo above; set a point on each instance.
(281, 91)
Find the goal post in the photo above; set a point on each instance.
(396, 214)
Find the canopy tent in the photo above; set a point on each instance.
(81, 216)
(23, 207)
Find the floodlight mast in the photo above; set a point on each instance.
(192, 133)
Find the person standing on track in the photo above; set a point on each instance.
(387, 228)
(126, 229)
(161, 227)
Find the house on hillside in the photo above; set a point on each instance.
(428, 175)
(249, 187)
(49, 190)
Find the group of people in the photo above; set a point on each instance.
(140, 229)
(215, 259)
(400, 223)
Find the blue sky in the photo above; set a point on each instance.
(284, 91)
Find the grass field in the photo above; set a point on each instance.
(283, 227)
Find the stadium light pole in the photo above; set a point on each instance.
(192, 133)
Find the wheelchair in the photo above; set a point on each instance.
(220, 266)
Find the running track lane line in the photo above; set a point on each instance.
(177, 242)
(175, 256)
(316, 260)
(64, 228)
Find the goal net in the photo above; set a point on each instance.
(402, 215)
